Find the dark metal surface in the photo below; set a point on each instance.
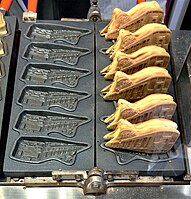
(183, 86)
(72, 123)
(179, 46)
(181, 63)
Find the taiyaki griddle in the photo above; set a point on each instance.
(138, 16)
(57, 109)
(150, 34)
(52, 116)
(132, 63)
(138, 85)
(152, 106)
(170, 163)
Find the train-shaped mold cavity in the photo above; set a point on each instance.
(49, 96)
(55, 32)
(42, 149)
(43, 51)
(39, 121)
(44, 73)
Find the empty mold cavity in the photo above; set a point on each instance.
(103, 51)
(124, 157)
(51, 73)
(42, 149)
(38, 121)
(51, 96)
(54, 52)
(44, 32)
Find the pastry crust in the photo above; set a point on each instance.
(150, 34)
(150, 107)
(152, 136)
(3, 29)
(2, 52)
(138, 16)
(138, 85)
(131, 63)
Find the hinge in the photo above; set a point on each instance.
(95, 181)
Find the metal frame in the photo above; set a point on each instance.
(175, 192)
(61, 184)
(177, 14)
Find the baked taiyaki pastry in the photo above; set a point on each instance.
(138, 85)
(150, 34)
(142, 58)
(152, 136)
(150, 107)
(2, 52)
(138, 16)
(3, 29)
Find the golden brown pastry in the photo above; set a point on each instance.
(150, 107)
(3, 29)
(142, 58)
(1, 48)
(138, 16)
(138, 85)
(150, 34)
(152, 136)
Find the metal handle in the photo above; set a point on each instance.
(94, 13)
